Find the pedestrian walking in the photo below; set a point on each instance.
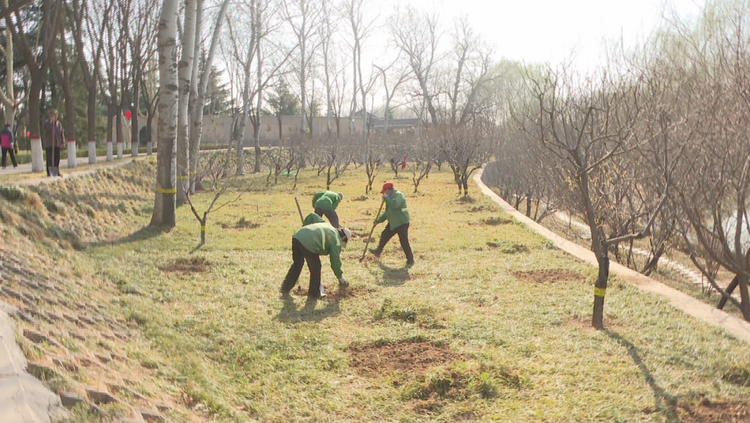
(325, 203)
(397, 215)
(7, 144)
(54, 139)
(316, 238)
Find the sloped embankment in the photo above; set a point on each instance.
(71, 325)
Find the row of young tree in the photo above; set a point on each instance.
(461, 149)
(654, 146)
(278, 52)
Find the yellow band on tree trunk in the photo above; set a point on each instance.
(166, 190)
(600, 292)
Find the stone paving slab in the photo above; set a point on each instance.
(689, 305)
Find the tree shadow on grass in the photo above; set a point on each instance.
(146, 232)
(664, 402)
(308, 313)
(390, 276)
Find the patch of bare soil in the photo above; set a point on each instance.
(584, 324)
(493, 221)
(347, 292)
(509, 248)
(183, 265)
(335, 296)
(241, 224)
(705, 410)
(369, 258)
(413, 357)
(548, 276)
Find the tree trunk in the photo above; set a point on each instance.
(600, 289)
(135, 136)
(91, 111)
(110, 129)
(165, 204)
(70, 125)
(730, 289)
(185, 73)
(37, 159)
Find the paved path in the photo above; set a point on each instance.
(83, 169)
(687, 273)
(698, 309)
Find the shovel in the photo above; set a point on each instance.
(371, 231)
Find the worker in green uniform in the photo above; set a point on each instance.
(397, 215)
(316, 238)
(325, 203)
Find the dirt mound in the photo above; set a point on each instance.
(713, 411)
(413, 357)
(242, 223)
(548, 276)
(183, 265)
(335, 296)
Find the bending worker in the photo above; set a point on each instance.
(397, 216)
(325, 203)
(316, 238)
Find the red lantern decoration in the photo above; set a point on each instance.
(127, 114)
(28, 134)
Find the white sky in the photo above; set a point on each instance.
(551, 30)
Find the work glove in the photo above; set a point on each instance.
(342, 281)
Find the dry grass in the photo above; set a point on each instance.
(483, 343)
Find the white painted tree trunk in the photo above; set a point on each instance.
(92, 151)
(119, 149)
(164, 204)
(37, 159)
(109, 151)
(185, 69)
(72, 159)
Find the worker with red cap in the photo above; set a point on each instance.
(397, 216)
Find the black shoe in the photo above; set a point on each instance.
(375, 252)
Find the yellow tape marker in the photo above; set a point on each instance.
(183, 177)
(194, 172)
(166, 190)
(599, 292)
(203, 229)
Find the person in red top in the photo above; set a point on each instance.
(54, 139)
(6, 143)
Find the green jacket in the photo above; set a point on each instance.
(322, 239)
(395, 210)
(326, 200)
(312, 218)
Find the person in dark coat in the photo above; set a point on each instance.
(54, 139)
(7, 144)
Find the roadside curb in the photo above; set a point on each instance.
(689, 305)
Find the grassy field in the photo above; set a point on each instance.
(491, 324)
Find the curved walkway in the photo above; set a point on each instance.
(689, 305)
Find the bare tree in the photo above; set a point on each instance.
(212, 168)
(417, 35)
(37, 62)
